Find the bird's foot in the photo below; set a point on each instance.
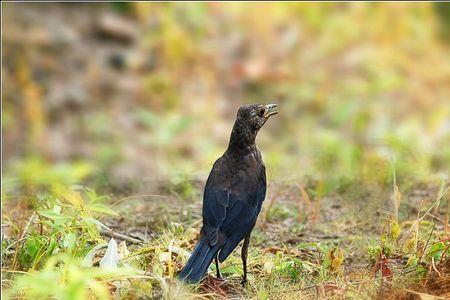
(244, 282)
(218, 276)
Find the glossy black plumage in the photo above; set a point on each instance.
(233, 196)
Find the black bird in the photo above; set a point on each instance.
(233, 196)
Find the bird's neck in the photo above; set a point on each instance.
(242, 140)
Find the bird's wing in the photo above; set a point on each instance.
(241, 217)
(232, 206)
(216, 200)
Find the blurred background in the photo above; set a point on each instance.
(129, 97)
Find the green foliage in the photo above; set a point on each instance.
(68, 224)
(279, 212)
(52, 252)
(290, 267)
(436, 251)
(388, 243)
(62, 277)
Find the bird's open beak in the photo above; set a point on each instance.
(271, 109)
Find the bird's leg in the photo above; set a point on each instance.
(244, 254)
(217, 267)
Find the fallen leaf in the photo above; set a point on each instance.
(386, 271)
(111, 257)
(268, 267)
(123, 250)
(213, 285)
(88, 259)
(332, 288)
(273, 250)
(386, 275)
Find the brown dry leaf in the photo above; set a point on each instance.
(337, 258)
(386, 275)
(386, 272)
(213, 285)
(320, 291)
(111, 288)
(332, 288)
(123, 250)
(423, 296)
(273, 250)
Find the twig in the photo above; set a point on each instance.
(441, 194)
(13, 244)
(434, 267)
(113, 234)
(14, 271)
(308, 287)
(422, 294)
(437, 218)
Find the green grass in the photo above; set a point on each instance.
(289, 258)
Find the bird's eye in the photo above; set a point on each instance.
(261, 112)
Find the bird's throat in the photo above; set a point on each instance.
(242, 139)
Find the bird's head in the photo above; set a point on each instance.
(254, 116)
(250, 119)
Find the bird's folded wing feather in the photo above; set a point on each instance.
(231, 206)
(215, 206)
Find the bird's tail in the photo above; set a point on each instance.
(198, 263)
